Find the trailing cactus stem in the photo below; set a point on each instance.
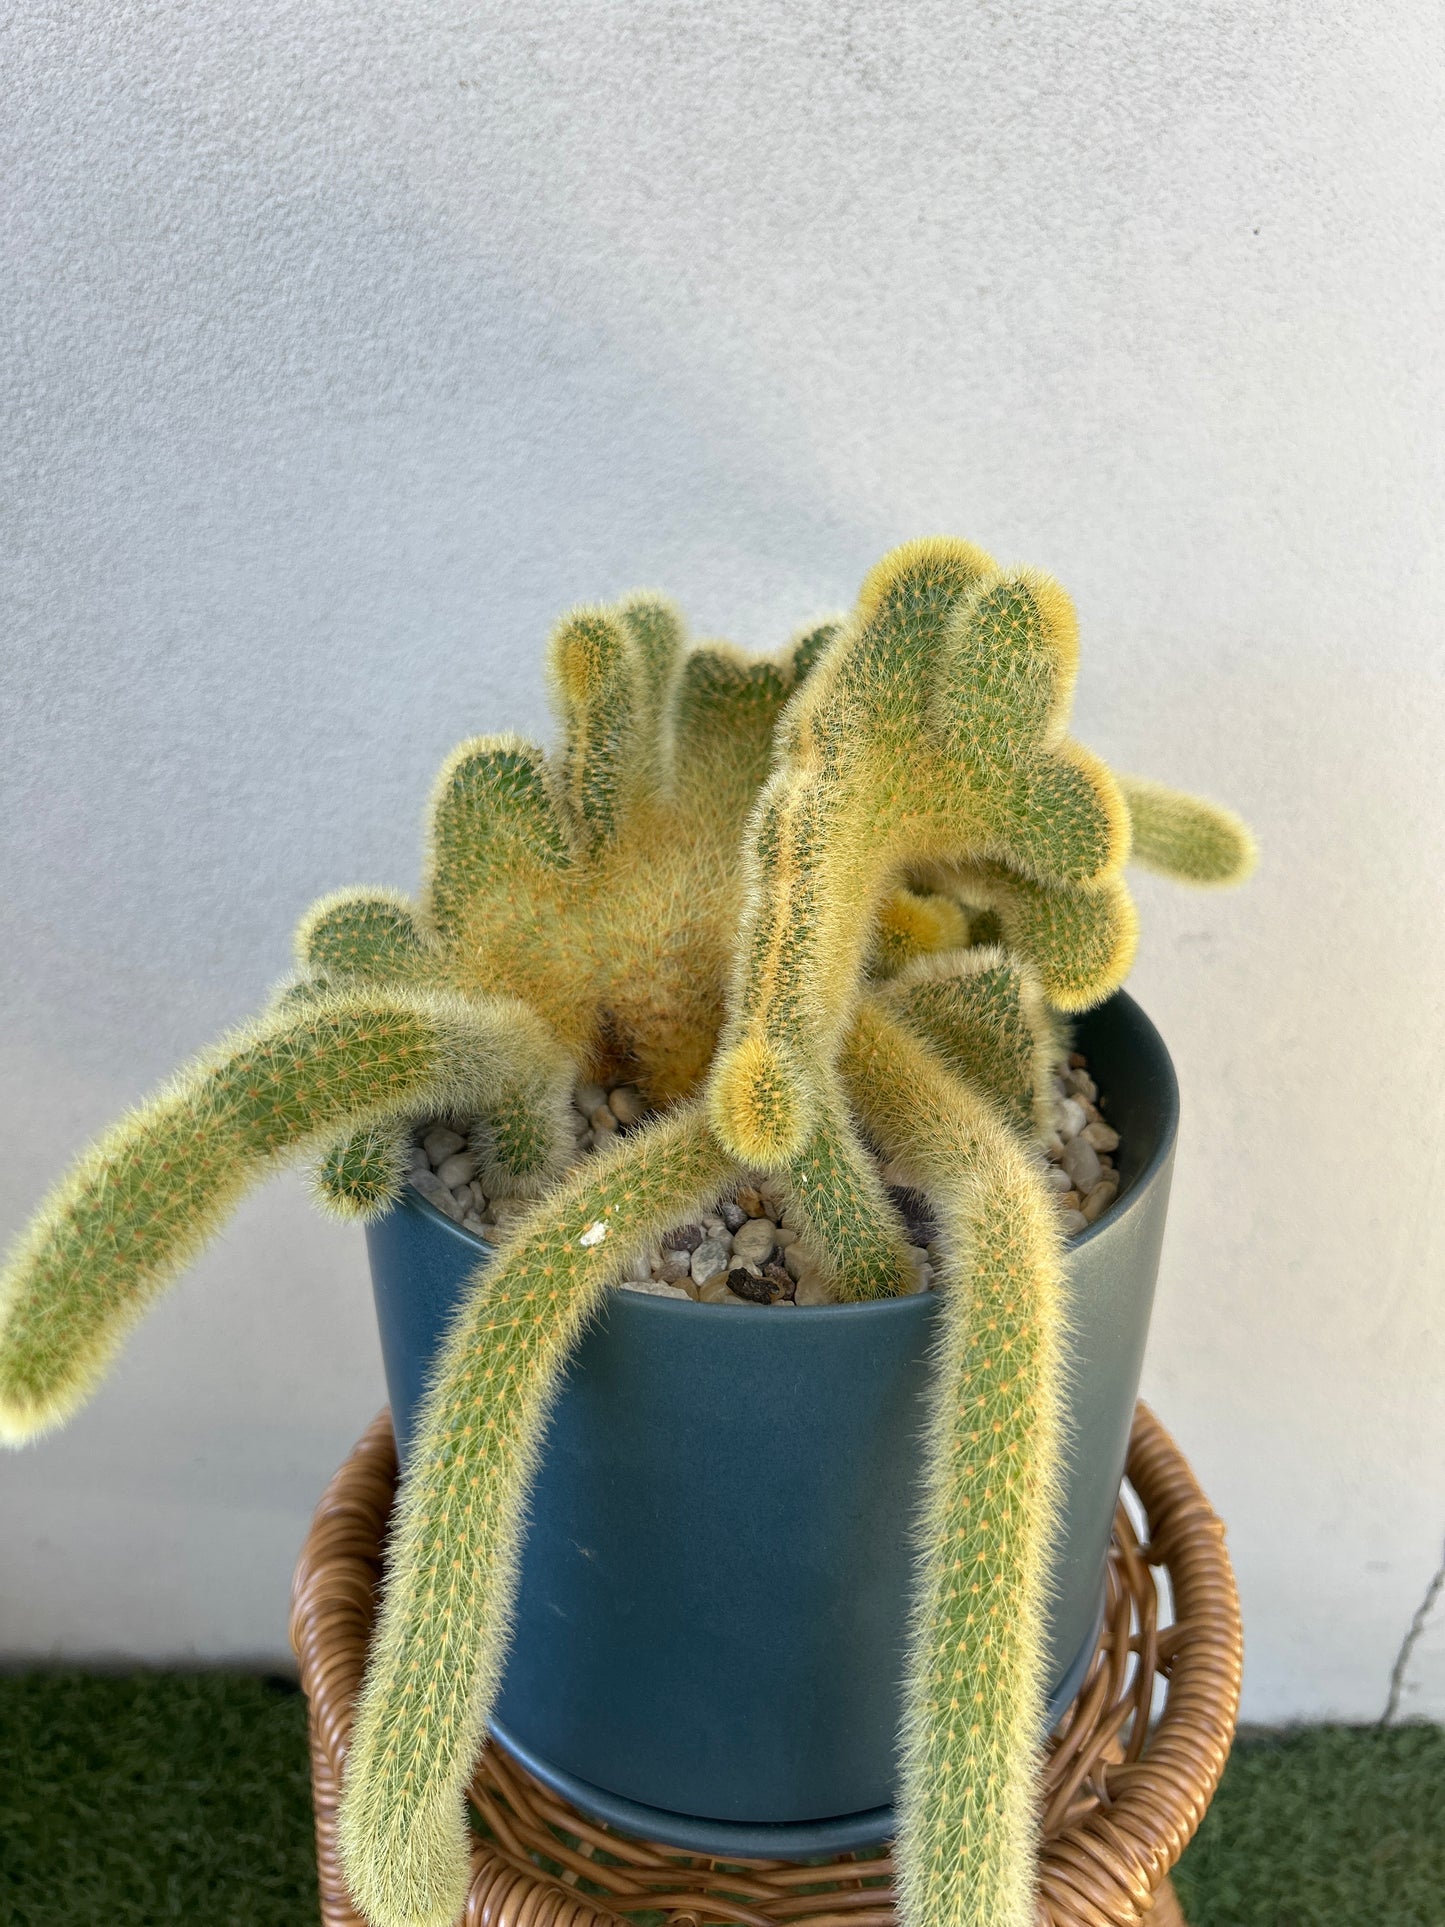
(973, 1720)
(445, 1622)
(836, 1198)
(141, 1204)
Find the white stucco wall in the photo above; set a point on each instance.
(347, 344)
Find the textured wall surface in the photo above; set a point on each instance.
(345, 344)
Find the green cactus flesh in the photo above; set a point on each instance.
(973, 1717)
(446, 1617)
(164, 1180)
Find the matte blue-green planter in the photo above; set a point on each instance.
(715, 1583)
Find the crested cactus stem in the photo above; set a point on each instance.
(142, 1203)
(1079, 941)
(1187, 837)
(974, 1704)
(985, 1017)
(931, 733)
(446, 1618)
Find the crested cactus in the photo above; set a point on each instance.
(931, 873)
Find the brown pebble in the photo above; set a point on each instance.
(752, 1202)
(1102, 1136)
(683, 1237)
(1068, 1201)
(1098, 1201)
(783, 1281)
(1077, 1060)
(748, 1284)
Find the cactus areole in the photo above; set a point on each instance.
(840, 900)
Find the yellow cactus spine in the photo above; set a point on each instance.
(446, 1618)
(973, 1718)
(1186, 837)
(141, 1204)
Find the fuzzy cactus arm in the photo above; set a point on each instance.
(836, 1198)
(606, 759)
(974, 1699)
(360, 1177)
(159, 1185)
(363, 935)
(1187, 837)
(1078, 940)
(913, 924)
(494, 827)
(445, 1621)
(659, 637)
(930, 733)
(725, 708)
(985, 1017)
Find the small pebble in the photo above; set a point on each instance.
(435, 1192)
(783, 1280)
(1099, 1200)
(1102, 1136)
(472, 1222)
(752, 1202)
(755, 1242)
(507, 1211)
(732, 1215)
(748, 1284)
(1071, 1119)
(683, 1237)
(588, 1098)
(602, 1119)
(440, 1142)
(1072, 1222)
(710, 1260)
(1069, 1201)
(639, 1271)
(459, 1168)
(1057, 1178)
(1081, 1161)
(812, 1289)
(650, 1289)
(626, 1104)
(675, 1266)
(715, 1292)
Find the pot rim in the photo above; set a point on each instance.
(1167, 1097)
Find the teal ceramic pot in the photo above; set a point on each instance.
(715, 1582)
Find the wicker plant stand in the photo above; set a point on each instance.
(1121, 1796)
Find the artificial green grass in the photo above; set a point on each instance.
(154, 1797)
(158, 1797)
(1325, 1826)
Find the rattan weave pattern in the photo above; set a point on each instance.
(1121, 1797)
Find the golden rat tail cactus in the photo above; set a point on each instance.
(930, 872)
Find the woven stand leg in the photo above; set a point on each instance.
(1121, 1794)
